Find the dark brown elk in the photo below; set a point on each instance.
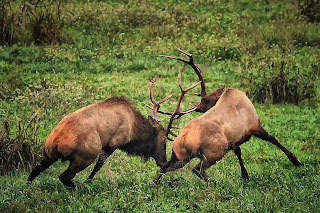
(230, 119)
(102, 128)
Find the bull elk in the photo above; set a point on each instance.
(102, 128)
(229, 120)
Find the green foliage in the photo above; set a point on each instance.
(21, 151)
(11, 28)
(311, 9)
(31, 21)
(278, 77)
(45, 24)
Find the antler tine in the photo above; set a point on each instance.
(156, 104)
(166, 112)
(176, 58)
(176, 127)
(174, 135)
(194, 67)
(179, 82)
(151, 89)
(177, 110)
(169, 139)
(184, 52)
(166, 98)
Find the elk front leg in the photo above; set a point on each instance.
(171, 166)
(244, 172)
(208, 157)
(200, 170)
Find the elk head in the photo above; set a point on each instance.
(159, 151)
(209, 101)
(159, 154)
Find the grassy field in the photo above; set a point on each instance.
(269, 49)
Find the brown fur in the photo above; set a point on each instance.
(105, 126)
(222, 126)
(225, 125)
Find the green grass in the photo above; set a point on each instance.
(111, 48)
(124, 184)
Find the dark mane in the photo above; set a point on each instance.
(117, 99)
(123, 100)
(144, 144)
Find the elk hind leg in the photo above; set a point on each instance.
(102, 157)
(76, 165)
(44, 164)
(264, 135)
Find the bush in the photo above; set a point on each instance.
(11, 27)
(29, 22)
(19, 152)
(280, 77)
(46, 26)
(310, 9)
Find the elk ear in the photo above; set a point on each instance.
(152, 121)
(219, 91)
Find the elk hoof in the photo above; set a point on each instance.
(202, 176)
(154, 184)
(87, 181)
(245, 176)
(295, 161)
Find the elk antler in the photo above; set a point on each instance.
(156, 104)
(194, 66)
(177, 110)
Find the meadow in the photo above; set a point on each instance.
(59, 56)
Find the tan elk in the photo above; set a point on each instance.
(230, 119)
(102, 128)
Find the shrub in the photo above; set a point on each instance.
(19, 152)
(11, 27)
(46, 26)
(310, 9)
(29, 22)
(280, 77)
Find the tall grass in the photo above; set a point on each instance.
(19, 148)
(29, 21)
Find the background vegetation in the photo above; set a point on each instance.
(58, 56)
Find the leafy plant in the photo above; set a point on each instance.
(46, 24)
(21, 151)
(280, 77)
(310, 9)
(31, 21)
